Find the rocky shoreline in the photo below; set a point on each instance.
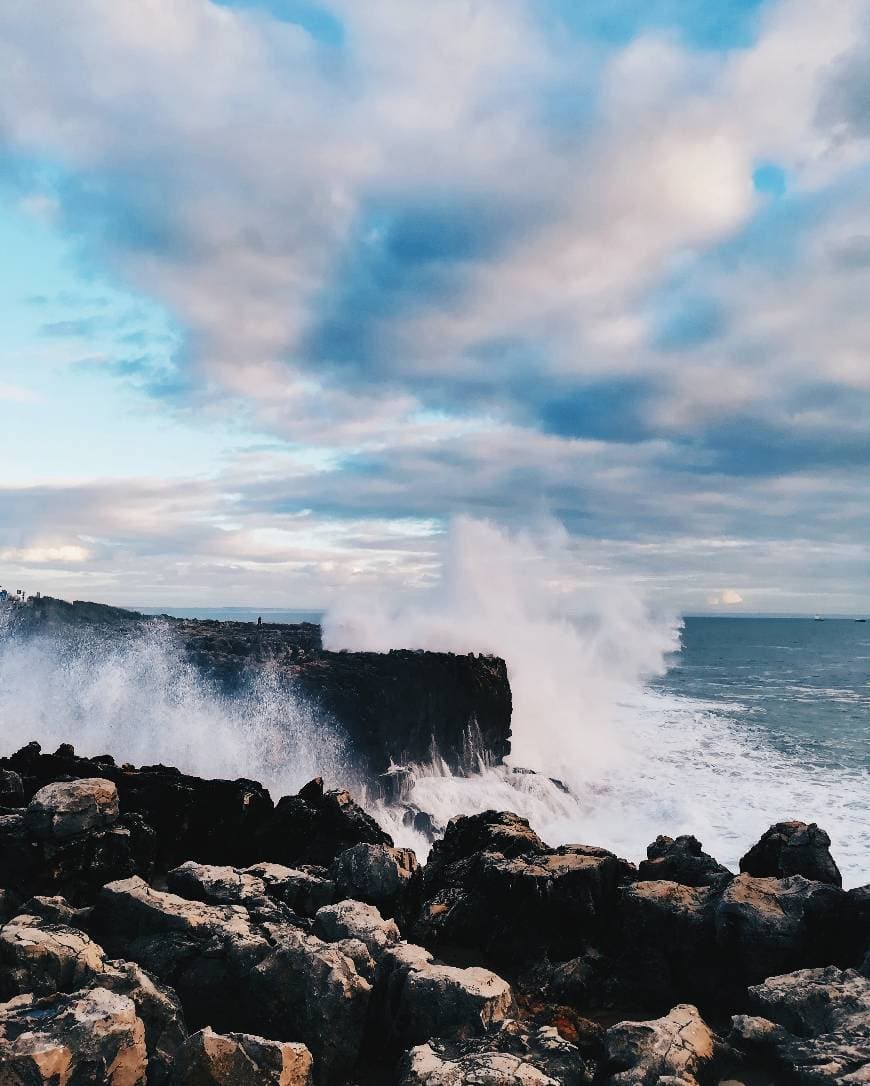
(397, 707)
(164, 929)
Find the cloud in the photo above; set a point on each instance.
(604, 260)
(726, 598)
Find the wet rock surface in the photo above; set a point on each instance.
(295, 944)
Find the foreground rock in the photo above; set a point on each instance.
(494, 886)
(313, 989)
(510, 1055)
(743, 933)
(813, 1025)
(44, 958)
(674, 1049)
(419, 998)
(793, 848)
(71, 808)
(239, 1059)
(86, 1037)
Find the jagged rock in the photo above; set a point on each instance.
(491, 831)
(311, 988)
(767, 926)
(515, 898)
(682, 860)
(202, 951)
(813, 1023)
(377, 874)
(131, 907)
(86, 1037)
(69, 808)
(74, 866)
(424, 1067)
(354, 920)
(159, 1009)
(43, 958)
(419, 999)
(675, 1048)
(510, 1054)
(11, 789)
(225, 886)
(359, 954)
(394, 786)
(304, 890)
(212, 821)
(57, 910)
(241, 1059)
(314, 826)
(708, 944)
(793, 848)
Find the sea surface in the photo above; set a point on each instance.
(798, 685)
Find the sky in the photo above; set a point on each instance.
(287, 285)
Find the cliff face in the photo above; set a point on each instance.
(397, 707)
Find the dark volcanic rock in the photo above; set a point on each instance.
(314, 827)
(492, 886)
(813, 1025)
(682, 860)
(793, 848)
(402, 706)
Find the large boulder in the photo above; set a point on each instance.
(70, 808)
(221, 885)
(74, 865)
(93, 1036)
(307, 990)
(204, 952)
(494, 888)
(668, 942)
(355, 920)
(241, 1059)
(767, 926)
(43, 958)
(675, 1048)
(510, 1054)
(793, 848)
(682, 860)
(813, 1025)
(159, 1009)
(707, 943)
(377, 874)
(417, 998)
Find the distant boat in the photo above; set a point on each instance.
(818, 618)
(860, 619)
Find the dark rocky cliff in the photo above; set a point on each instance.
(397, 706)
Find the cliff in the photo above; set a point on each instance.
(395, 707)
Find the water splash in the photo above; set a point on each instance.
(136, 697)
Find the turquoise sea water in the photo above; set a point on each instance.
(798, 684)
